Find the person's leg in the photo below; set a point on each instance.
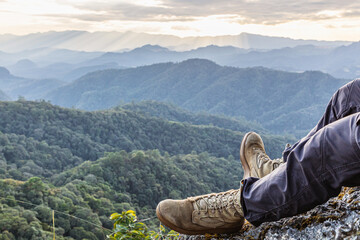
(344, 102)
(315, 170)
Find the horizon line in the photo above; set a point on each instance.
(173, 35)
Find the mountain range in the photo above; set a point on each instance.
(280, 101)
(67, 65)
(14, 87)
(342, 62)
(117, 41)
(124, 120)
(62, 71)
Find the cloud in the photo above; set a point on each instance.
(266, 11)
(181, 28)
(96, 11)
(352, 13)
(247, 11)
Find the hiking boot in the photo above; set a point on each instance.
(253, 157)
(212, 213)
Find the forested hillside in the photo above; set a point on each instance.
(87, 165)
(89, 134)
(280, 101)
(173, 113)
(117, 182)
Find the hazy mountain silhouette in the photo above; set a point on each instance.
(62, 71)
(4, 97)
(115, 41)
(150, 54)
(46, 55)
(341, 62)
(145, 55)
(31, 89)
(68, 65)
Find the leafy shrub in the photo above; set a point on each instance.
(127, 227)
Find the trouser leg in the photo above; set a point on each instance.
(315, 171)
(344, 102)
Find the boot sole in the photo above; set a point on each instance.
(244, 163)
(196, 232)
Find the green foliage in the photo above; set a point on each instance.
(171, 112)
(146, 177)
(127, 227)
(22, 157)
(27, 217)
(89, 134)
(117, 182)
(87, 165)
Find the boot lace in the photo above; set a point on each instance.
(217, 201)
(262, 158)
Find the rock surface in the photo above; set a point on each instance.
(338, 218)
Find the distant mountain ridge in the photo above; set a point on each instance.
(67, 65)
(61, 71)
(280, 101)
(173, 113)
(124, 130)
(31, 89)
(151, 54)
(43, 56)
(4, 97)
(342, 62)
(116, 41)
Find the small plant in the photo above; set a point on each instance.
(127, 227)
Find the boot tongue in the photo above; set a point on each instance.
(237, 204)
(202, 204)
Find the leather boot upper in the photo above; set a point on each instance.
(212, 213)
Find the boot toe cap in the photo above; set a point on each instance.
(254, 138)
(176, 214)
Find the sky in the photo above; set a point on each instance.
(309, 19)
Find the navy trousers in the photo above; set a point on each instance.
(315, 168)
